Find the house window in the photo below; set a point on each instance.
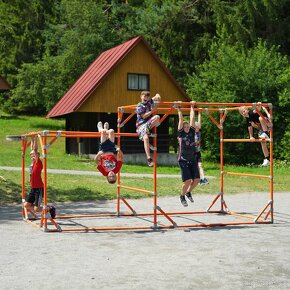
(138, 82)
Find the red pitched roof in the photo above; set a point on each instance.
(95, 74)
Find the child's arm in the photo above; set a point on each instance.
(192, 117)
(180, 119)
(156, 98)
(266, 111)
(251, 131)
(98, 157)
(34, 147)
(120, 155)
(199, 119)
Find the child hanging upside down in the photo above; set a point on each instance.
(106, 160)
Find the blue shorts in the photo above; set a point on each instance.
(189, 169)
(107, 146)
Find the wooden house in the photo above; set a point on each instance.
(4, 86)
(115, 79)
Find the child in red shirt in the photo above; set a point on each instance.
(34, 199)
(107, 163)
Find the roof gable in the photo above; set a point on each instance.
(96, 73)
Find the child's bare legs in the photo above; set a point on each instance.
(200, 169)
(104, 135)
(265, 149)
(30, 206)
(154, 121)
(190, 185)
(263, 124)
(111, 135)
(146, 145)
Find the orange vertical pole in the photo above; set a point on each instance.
(221, 161)
(44, 150)
(120, 115)
(271, 164)
(23, 141)
(155, 177)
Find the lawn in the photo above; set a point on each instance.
(79, 187)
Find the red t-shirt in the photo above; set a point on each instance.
(35, 176)
(109, 163)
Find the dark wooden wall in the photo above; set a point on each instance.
(88, 122)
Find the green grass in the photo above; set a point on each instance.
(75, 188)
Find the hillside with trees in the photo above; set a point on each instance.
(218, 50)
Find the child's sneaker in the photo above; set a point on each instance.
(52, 211)
(189, 196)
(183, 201)
(106, 126)
(203, 181)
(263, 135)
(266, 162)
(150, 162)
(100, 126)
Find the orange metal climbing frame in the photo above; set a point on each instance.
(47, 138)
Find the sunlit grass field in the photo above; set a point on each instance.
(63, 187)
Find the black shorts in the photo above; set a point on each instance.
(35, 196)
(198, 156)
(189, 169)
(107, 146)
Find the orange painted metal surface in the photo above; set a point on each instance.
(157, 211)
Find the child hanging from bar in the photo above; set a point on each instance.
(203, 179)
(187, 158)
(254, 120)
(34, 199)
(106, 160)
(146, 120)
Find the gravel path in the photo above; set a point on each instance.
(232, 257)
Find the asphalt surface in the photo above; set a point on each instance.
(233, 257)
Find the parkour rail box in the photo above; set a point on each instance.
(47, 138)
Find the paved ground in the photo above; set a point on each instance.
(233, 257)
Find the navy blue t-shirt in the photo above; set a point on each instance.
(187, 144)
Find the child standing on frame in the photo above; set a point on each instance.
(254, 120)
(146, 120)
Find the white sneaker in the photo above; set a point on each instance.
(266, 162)
(263, 135)
(106, 126)
(100, 126)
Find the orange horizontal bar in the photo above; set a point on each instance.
(245, 140)
(135, 189)
(245, 174)
(76, 134)
(240, 215)
(87, 229)
(213, 104)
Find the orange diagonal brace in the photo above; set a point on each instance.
(263, 210)
(128, 205)
(166, 215)
(214, 121)
(127, 119)
(214, 201)
(166, 115)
